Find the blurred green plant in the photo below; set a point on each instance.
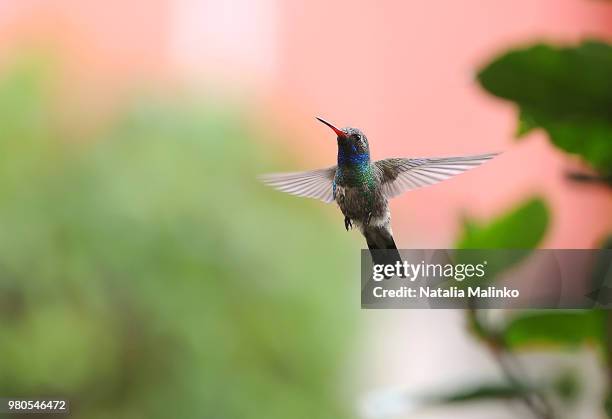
(146, 274)
(554, 329)
(567, 91)
(521, 230)
(529, 329)
(524, 228)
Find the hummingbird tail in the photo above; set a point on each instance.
(379, 237)
(382, 246)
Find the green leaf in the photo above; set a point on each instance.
(555, 328)
(521, 228)
(526, 124)
(567, 91)
(485, 392)
(567, 387)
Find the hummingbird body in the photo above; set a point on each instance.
(357, 188)
(362, 188)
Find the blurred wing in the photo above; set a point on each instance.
(401, 175)
(316, 184)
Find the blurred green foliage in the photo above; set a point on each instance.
(567, 386)
(494, 391)
(520, 230)
(146, 274)
(524, 227)
(567, 91)
(555, 329)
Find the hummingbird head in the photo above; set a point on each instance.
(351, 141)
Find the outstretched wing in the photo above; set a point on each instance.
(401, 175)
(316, 184)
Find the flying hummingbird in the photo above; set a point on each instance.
(362, 188)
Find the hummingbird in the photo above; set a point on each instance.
(362, 188)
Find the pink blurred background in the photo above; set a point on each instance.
(394, 69)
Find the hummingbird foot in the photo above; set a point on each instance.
(369, 218)
(347, 223)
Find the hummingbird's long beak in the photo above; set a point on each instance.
(338, 132)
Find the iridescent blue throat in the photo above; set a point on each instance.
(353, 159)
(354, 169)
